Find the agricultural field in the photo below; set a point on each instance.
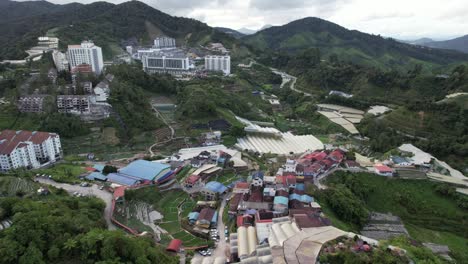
(167, 203)
(14, 186)
(428, 215)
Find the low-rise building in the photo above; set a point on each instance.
(383, 170)
(213, 190)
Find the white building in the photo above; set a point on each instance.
(164, 43)
(290, 165)
(60, 61)
(218, 63)
(26, 149)
(86, 53)
(158, 63)
(48, 42)
(101, 93)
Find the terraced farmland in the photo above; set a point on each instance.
(12, 186)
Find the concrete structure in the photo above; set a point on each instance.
(74, 104)
(218, 63)
(31, 103)
(86, 53)
(28, 149)
(48, 42)
(164, 43)
(60, 61)
(175, 64)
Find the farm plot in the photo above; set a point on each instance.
(168, 204)
(12, 186)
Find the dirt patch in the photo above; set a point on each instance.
(384, 226)
(109, 136)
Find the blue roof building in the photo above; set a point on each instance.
(99, 167)
(258, 174)
(145, 170)
(193, 216)
(281, 200)
(96, 176)
(215, 187)
(122, 179)
(300, 186)
(302, 198)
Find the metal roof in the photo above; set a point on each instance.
(96, 176)
(280, 200)
(216, 187)
(144, 169)
(121, 179)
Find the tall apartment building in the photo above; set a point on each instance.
(74, 104)
(157, 63)
(164, 43)
(86, 53)
(28, 149)
(60, 61)
(218, 63)
(31, 103)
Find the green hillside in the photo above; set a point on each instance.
(106, 24)
(349, 45)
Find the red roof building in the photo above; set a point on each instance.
(316, 156)
(383, 170)
(174, 245)
(336, 155)
(192, 180)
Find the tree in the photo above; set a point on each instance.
(109, 169)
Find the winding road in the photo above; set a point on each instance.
(87, 191)
(289, 78)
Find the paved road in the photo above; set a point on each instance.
(88, 191)
(220, 250)
(287, 78)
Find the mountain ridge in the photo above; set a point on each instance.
(349, 45)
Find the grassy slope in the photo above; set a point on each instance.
(424, 212)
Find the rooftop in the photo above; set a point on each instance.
(216, 187)
(146, 170)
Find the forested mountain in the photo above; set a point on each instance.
(231, 32)
(349, 45)
(107, 24)
(460, 44)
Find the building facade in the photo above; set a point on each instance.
(156, 63)
(48, 42)
(28, 149)
(74, 104)
(86, 53)
(60, 61)
(218, 63)
(164, 43)
(31, 103)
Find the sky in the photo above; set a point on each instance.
(401, 19)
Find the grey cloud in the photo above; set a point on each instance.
(181, 7)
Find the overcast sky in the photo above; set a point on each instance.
(403, 19)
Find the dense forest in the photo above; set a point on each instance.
(60, 229)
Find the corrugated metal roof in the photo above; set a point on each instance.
(281, 200)
(96, 176)
(216, 187)
(145, 169)
(121, 179)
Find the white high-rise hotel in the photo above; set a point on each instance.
(28, 149)
(86, 53)
(218, 63)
